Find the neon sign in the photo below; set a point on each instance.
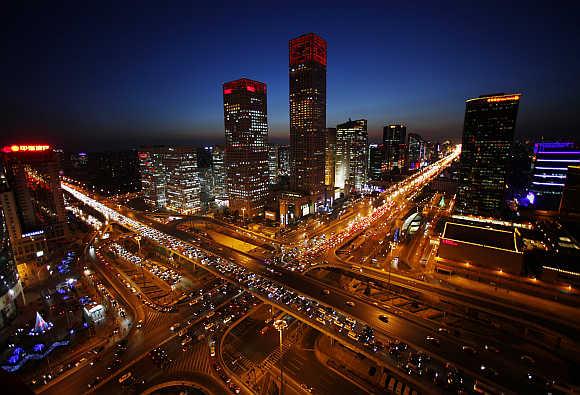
(25, 148)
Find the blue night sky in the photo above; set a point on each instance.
(118, 76)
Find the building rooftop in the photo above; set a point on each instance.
(483, 236)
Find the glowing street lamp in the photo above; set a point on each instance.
(280, 325)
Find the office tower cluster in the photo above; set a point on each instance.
(488, 135)
(169, 179)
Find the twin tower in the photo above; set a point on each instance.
(246, 132)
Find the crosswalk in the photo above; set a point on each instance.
(196, 359)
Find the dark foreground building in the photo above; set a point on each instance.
(488, 134)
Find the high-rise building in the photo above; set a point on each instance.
(550, 164)
(394, 138)
(32, 200)
(10, 285)
(218, 169)
(246, 151)
(284, 160)
(329, 157)
(183, 187)
(273, 164)
(376, 160)
(351, 155)
(169, 178)
(153, 179)
(415, 151)
(307, 66)
(488, 134)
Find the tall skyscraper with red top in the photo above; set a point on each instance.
(307, 114)
(246, 150)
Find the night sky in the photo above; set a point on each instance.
(110, 76)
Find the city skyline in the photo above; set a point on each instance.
(149, 87)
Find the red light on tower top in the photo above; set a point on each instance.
(244, 84)
(308, 48)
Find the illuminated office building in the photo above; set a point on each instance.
(376, 159)
(246, 151)
(10, 285)
(415, 151)
(329, 157)
(394, 138)
(549, 172)
(351, 155)
(170, 179)
(219, 176)
(307, 66)
(273, 164)
(32, 200)
(183, 186)
(488, 135)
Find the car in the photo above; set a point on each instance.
(307, 388)
(527, 359)
(491, 348)
(468, 350)
(139, 324)
(175, 327)
(325, 292)
(350, 303)
(432, 340)
(125, 377)
(384, 318)
(96, 381)
(443, 331)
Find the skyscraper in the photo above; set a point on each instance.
(549, 171)
(329, 157)
(246, 151)
(488, 134)
(273, 164)
(415, 151)
(351, 155)
(376, 159)
(183, 186)
(9, 283)
(32, 200)
(307, 65)
(219, 176)
(394, 138)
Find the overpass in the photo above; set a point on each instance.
(295, 294)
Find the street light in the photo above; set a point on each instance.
(280, 325)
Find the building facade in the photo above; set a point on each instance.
(394, 138)
(273, 164)
(376, 160)
(351, 155)
(218, 168)
(169, 179)
(488, 135)
(550, 164)
(329, 158)
(415, 151)
(10, 285)
(307, 67)
(246, 150)
(32, 200)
